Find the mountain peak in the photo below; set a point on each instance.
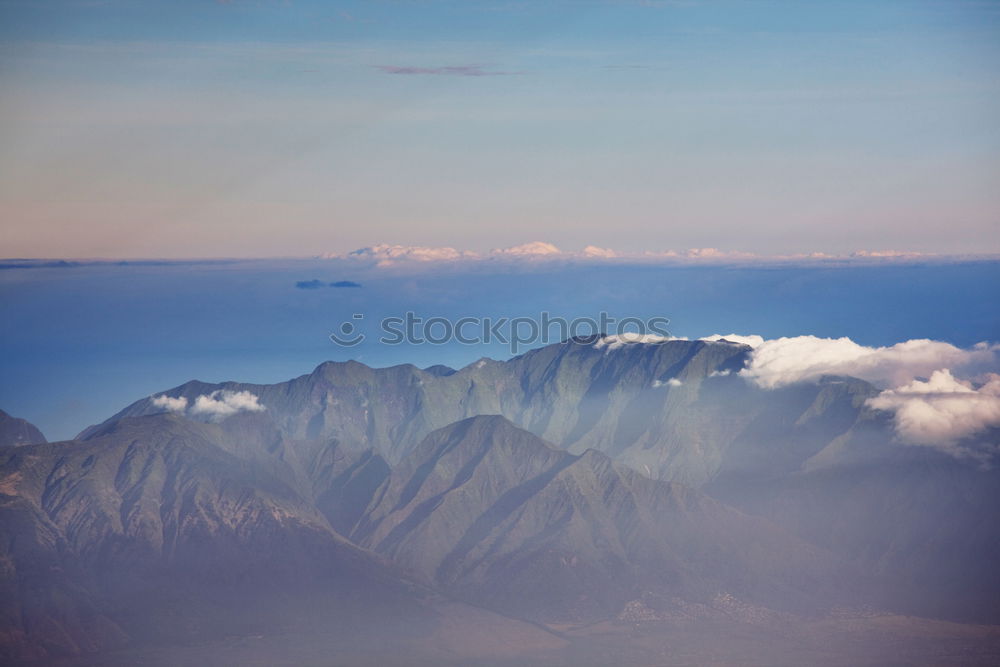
(15, 432)
(481, 433)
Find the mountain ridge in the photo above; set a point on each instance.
(642, 403)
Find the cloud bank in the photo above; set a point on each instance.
(921, 382)
(783, 361)
(389, 255)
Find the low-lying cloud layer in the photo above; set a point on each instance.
(390, 255)
(921, 382)
(219, 404)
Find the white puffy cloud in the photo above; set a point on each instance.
(785, 361)
(223, 403)
(595, 252)
(672, 382)
(169, 403)
(943, 411)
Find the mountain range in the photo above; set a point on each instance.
(508, 511)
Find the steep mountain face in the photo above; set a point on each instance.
(490, 513)
(677, 411)
(15, 432)
(152, 532)
(674, 410)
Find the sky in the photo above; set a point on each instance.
(283, 129)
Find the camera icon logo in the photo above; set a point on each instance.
(347, 334)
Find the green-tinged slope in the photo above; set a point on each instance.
(491, 513)
(151, 533)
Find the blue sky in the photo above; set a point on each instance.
(205, 129)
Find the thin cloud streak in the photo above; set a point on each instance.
(447, 70)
